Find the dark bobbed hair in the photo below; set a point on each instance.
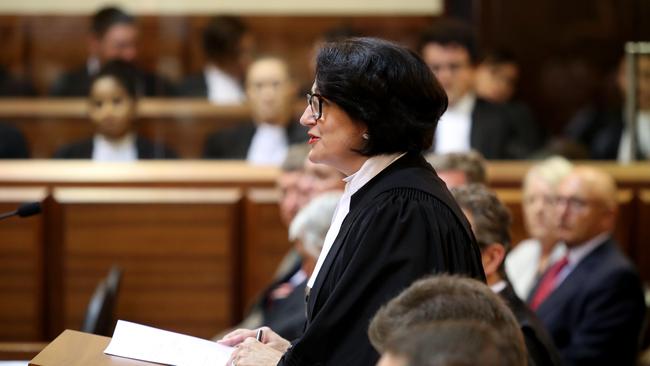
(125, 73)
(107, 17)
(386, 87)
(221, 37)
(450, 32)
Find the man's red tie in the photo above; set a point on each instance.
(547, 283)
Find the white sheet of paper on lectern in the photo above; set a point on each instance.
(150, 344)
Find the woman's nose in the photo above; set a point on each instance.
(307, 119)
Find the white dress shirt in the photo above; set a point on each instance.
(123, 149)
(223, 88)
(643, 138)
(454, 127)
(522, 264)
(373, 166)
(498, 287)
(269, 145)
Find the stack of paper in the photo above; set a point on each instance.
(145, 343)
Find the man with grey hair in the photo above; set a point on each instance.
(458, 168)
(490, 221)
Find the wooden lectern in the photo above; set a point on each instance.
(73, 348)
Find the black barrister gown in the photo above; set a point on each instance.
(402, 225)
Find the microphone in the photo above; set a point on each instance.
(25, 210)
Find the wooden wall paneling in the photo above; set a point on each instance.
(21, 262)
(182, 124)
(177, 248)
(265, 241)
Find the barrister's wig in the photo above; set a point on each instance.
(386, 87)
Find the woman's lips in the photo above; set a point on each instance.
(313, 139)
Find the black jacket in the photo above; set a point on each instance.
(402, 225)
(233, 143)
(147, 150)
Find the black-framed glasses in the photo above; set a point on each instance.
(315, 102)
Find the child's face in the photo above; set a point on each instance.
(111, 108)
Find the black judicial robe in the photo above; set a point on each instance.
(402, 225)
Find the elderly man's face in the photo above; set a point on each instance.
(290, 195)
(452, 67)
(317, 179)
(453, 178)
(270, 91)
(581, 211)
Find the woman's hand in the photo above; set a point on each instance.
(253, 353)
(269, 338)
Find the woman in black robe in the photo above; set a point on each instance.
(373, 109)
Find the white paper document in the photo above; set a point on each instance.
(145, 343)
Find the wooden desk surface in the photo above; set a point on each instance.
(72, 348)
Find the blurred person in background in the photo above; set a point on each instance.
(531, 257)
(591, 301)
(112, 108)
(113, 36)
(265, 140)
(282, 304)
(449, 49)
(601, 130)
(12, 143)
(491, 221)
(228, 49)
(457, 169)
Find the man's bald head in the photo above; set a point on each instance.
(586, 205)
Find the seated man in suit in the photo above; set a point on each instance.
(447, 298)
(490, 221)
(459, 168)
(469, 122)
(12, 143)
(601, 129)
(227, 47)
(591, 301)
(112, 110)
(264, 140)
(113, 36)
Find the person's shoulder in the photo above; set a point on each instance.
(193, 86)
(148, 149)
(81, 149)
(72, 83)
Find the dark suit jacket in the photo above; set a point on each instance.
(12, 143)
(402, 225)
(541, 351)
(596, 314)
(76, 83)
(233, 143)
(496, 134)
(285, 316)
(147, 150)
(193, 86)
(598, 130)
